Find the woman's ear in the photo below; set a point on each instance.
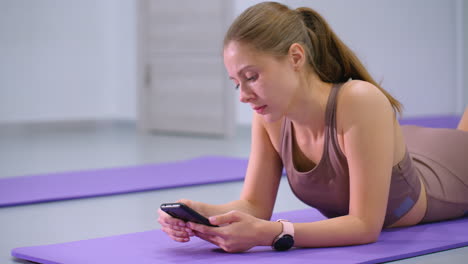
(297, 56)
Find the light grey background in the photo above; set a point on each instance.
(67, 60)
(76, 60)
(464, 48)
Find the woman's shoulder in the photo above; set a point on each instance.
(272, 129)
(358, 88)
(356, 97)
(362, 104)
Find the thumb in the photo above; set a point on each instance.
(227, 218)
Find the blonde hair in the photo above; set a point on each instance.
(273, 27)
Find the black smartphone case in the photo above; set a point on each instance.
(185, 213)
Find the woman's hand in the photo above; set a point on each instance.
(176, 228)
(238, 231)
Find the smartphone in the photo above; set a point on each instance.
(183, 212)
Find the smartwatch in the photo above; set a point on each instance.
(285, 240)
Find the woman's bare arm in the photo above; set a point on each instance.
(366, 118)
(262, 177)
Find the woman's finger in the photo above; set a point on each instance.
(164, 218)
(209, 238)
(212, 231)
(175, 233)
(182, 240)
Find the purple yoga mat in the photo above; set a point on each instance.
(155, 247)
(448, 121)
(91, 183)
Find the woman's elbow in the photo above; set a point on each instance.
(367, 231)
(369, 236)
(369, 239)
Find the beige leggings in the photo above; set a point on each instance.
(441, 157)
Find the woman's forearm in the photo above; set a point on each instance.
(339, 231)
(239, 205)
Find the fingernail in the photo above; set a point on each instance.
(186, 239)
(182, 224)
(213, 218)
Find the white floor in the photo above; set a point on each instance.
(42, 149)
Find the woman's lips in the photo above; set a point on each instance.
(260, 109)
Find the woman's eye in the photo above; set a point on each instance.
(250, 79)
(253, 78)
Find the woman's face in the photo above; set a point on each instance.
(265, 82)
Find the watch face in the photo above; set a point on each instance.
(284, 243)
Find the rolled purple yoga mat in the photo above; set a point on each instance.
(155, 247)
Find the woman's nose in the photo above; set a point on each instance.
(246, 95)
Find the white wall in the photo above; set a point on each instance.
(74, 60)
(408, 45)
(67, 60)
(464, 29)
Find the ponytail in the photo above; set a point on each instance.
(330, 58)
(273, 27)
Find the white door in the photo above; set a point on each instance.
(184, 87)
